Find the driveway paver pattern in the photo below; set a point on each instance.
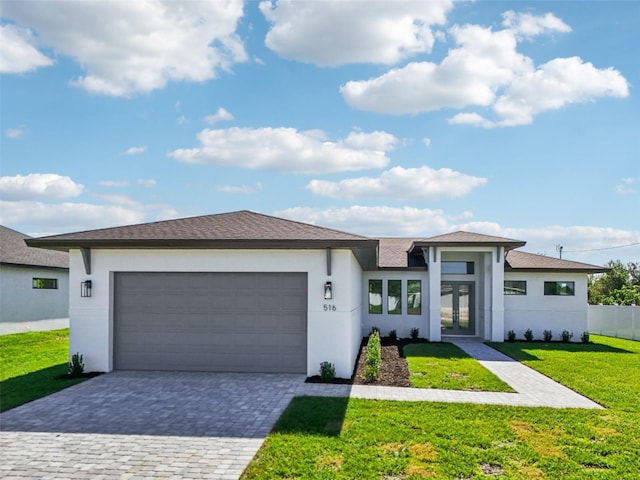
(149, 425)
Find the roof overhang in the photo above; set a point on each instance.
(557, 270)
(418, 245)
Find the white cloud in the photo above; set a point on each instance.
(14, 132)
(373, 221)
(18, 53)
(242, 189)
(401, 184)
(485, 69)
(221, 115)
(113, 183)
(529, 25)
(384, 221)
(426, 141)
(42, 185)
(67, 216)
(135, 150)
(147, 182)
(333, 33)
(627, 187)
(287, 149)
(131, 47)
(181, 120)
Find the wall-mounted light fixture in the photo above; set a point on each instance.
(85, 288)
(328, 293)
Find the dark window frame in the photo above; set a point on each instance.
(396, 288)
(515, 290)
(560, 288)
(38, 283)
(469, 267)
(373, 309)
(414, 310)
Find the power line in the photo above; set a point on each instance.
(604, 248)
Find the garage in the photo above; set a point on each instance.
(214, 322)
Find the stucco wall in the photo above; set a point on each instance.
(22, 303)
(328, 329)
(540, 312)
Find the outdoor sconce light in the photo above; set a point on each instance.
(328, 294)
(85, 288)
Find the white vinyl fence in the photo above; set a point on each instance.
(615, 321)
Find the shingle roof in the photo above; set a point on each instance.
(393, 252)
(465, 238)
(235, 229)
(516, 260)
(13, 250)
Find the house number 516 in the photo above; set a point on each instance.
(329, 308)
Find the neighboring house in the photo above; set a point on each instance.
(252, 293)
(34, 283)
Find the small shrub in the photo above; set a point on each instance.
(566, 336)
(374, 329)
(547, 335)
(584, 338)
(511, 336)
(327, 372)
(374, 358)
(393, 334)
(528, 335)
(415, 333)
(76, 366)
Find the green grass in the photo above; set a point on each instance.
(337, 438)
(31, 366)
(443, 365)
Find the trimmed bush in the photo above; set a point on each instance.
(511, 336)
(415, 333)
(584, 338)
(528, 335)
(566, 336)
(76, 366)
(374, 329)
(327, 372)
(374, 358)
(547, 335)
(393, 334)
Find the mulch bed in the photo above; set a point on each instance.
(394, 371)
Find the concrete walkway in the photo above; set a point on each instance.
(7, 328)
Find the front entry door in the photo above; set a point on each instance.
(457, 308)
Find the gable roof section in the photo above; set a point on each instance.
(463, 239)
(393, 252)
(522, 261)
(14, 251)
(243, 229)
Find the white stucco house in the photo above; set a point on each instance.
(246, 292)
(34, 283)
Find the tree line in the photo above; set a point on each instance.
(619, 286)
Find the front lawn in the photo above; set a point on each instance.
(33, 365)
(361, 439)
(443, 365)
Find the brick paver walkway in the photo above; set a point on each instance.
(135, 425)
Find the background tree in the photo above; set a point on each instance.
(620, 285)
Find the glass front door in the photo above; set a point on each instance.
(457, 308)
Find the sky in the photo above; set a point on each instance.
(381, 118)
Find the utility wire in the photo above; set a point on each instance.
(604, 248)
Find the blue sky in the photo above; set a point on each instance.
(518, 119)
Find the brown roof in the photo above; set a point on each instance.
(529, 261)
(393, 252)
(465, 238)
(13, 250)
(241, 229)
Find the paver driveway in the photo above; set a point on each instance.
(145, 425)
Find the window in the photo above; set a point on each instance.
(394, 297)
(44, 283)
(414, 297)
(458, 268)
(515, 287)
(375, 296)
(559, 288)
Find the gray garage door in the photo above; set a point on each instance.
(222, 322)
